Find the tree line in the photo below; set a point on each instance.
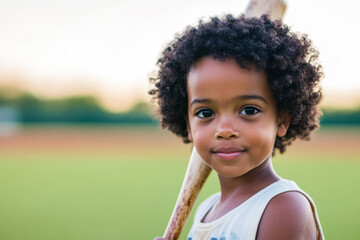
(74, 109)
(86, 109)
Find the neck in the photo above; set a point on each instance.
(248, 184)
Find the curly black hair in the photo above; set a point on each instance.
(288, 59)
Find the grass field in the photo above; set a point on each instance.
(74, 183)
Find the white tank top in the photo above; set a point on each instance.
(241, 223)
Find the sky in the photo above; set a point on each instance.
(109, 48)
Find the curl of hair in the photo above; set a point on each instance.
(288, 59)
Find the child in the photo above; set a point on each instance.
(239, 88)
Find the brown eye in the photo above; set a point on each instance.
(205, 113)
(249, 111)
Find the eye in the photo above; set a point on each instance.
(205, 113)
(248, 111)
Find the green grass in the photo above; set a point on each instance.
(81, 195)
(111, 199)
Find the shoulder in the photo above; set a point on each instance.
(287, 216)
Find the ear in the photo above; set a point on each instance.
(284, 121)
(188, 128)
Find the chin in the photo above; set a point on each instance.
(232, 173)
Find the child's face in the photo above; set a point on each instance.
(232, 116)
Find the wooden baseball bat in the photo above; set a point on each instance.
(197, 171)
(274, 8)
(196, 174)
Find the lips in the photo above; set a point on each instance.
(228, 153)
(228, 150)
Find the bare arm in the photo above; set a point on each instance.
(288, 216)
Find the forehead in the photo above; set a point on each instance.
(214, 78)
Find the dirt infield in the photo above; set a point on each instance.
(335, 142)
(340, 142)
(96, 138)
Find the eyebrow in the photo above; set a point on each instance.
(249, 97)
(241, 97)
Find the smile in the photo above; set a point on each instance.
(228, 153)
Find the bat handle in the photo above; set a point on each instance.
(195, 177)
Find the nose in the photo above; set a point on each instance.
(227, 129)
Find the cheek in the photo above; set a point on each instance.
(264, 138)
(202, 138)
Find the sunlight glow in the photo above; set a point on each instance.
(109, 48)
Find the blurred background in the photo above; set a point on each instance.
(81, 155)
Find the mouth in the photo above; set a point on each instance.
(229, 153)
